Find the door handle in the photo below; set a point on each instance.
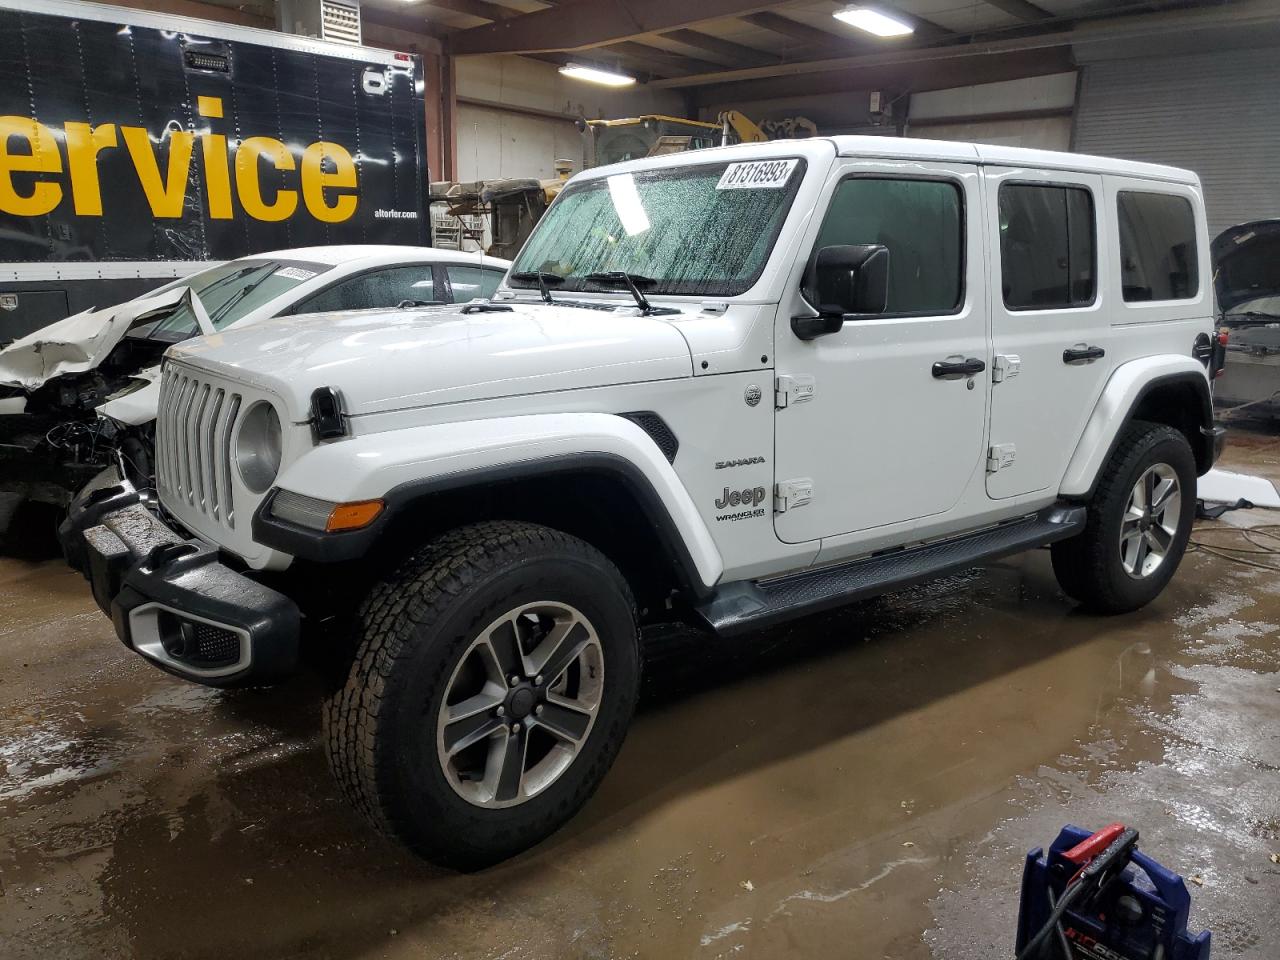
(958, 369)
(1082, 354)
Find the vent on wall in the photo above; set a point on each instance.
(340, 21)
(334, 20)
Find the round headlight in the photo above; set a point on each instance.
(258, 447)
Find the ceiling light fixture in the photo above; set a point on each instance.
(596, 75)
(873, 21)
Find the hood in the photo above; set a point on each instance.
(1246, 268)
(383, 360)
(76, 344)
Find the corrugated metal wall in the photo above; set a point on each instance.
(1217, 114)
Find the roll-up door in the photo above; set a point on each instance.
(1215, 113)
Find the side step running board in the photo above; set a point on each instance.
(752, 604)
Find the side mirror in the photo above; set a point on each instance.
(843, 282)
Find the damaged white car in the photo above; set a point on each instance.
(81, 394)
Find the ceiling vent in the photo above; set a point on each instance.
(334, 20)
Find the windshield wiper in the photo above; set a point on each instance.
(243, 292)
(413, 304)
(543, 279)
(632, 282)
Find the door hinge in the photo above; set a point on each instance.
(792, 493)
(1001, 455)
(790, 390)
(1005, 367)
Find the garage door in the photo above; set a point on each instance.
(1215, 114)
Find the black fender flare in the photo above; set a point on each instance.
(321, 547)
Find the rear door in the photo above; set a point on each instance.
(1049, 326)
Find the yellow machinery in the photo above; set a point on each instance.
(512, 207)
(612, 141)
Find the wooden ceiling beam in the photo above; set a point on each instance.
(481, 9)
(735, 54)
(583, 24)
(1022, 9)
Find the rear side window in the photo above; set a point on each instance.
(380, 288)
(1047, 251)
(471, 283)
(1158, 258)
(921, 222)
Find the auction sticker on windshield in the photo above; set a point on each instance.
(295, 273)
(757, 175)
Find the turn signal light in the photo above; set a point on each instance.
(353, 516)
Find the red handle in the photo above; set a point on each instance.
(1087, 849)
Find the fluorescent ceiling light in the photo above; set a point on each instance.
(596, 75)
(873, 21)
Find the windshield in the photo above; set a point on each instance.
(228, 292)
(699, 230)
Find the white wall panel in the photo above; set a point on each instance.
(498, 143)
(990, 112)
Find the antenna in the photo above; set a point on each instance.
(475, 143)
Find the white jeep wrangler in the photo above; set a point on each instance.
(728, 387)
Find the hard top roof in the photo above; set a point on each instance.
(907, 148)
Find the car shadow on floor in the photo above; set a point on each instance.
(271, 834)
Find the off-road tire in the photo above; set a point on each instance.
(1088, 566)
(414, 629)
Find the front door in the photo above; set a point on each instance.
(885, 436)
(1049, 326)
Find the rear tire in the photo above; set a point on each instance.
(495, 677)
(1139, 523)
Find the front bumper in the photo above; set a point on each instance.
(172, 601)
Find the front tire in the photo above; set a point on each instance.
(1139, 523)
(492, 687)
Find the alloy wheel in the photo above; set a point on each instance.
(520, 704)
(1150, 522)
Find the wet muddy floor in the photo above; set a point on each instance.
(863, 784)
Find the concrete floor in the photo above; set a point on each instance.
(859, 785)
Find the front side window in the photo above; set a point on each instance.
(697, 230)
(471, 283)
(1158, 258)
(379, 288)
(1046, 246)
(921, 222)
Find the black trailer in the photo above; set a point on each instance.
(161, 142)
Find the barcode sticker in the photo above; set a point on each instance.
(295, 273)
(757, 175)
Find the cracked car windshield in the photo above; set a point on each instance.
(228, 292)
(699, 230)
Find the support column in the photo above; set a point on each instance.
(442, 116)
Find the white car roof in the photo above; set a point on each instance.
(347, 253)
(906, 148)
(997, 155)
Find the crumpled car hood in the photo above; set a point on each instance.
(76, 344)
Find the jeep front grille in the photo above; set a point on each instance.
(194, 433)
